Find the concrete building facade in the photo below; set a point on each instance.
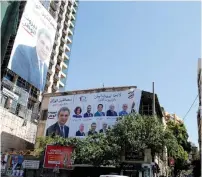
(172, 117)
(20, 101)
(64, 12)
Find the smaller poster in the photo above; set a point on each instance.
(58, 157)
(14, 165)
(4, 159)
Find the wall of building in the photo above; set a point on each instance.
(13, 122)
(172, 117)
(64, 12)
(15, 131)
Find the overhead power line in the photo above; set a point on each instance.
(190, 108)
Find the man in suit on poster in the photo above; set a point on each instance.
(111, 111)
(104, 128)
(99, 111)
(80, 131)
(124, 111)
(92, 131)
(30, 63)
(59, 128)
(88, 113)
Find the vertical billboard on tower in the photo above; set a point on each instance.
(33, 44)
(81, 115)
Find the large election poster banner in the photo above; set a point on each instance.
(82, 115)
(31, 52)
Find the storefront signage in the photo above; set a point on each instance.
(10, 94)
(31, 164)
(58, 157)
(131, 166)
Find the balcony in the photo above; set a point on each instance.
(53, 51)
(76, 3)
(56, 42)
(67, 49)
(69, 41)
(53, 13)
(65, 31)
(58, 26)
(55, 87)
(66, 20)
(63, 80)
(73, 17)
(61, 84)
(63, 75)
(48, 83)
(64, 66)
(60, 15)
(50, 71)
(66, 57)
(69, 45)
(59, 20)
(67, 13)
(73, 10)
(71, 23)
(69, 8)
(55, 5)
(66, 62)
(58, 67)
(63, 40)
(62, 7)
(71, 37)
(56, 77)
(52, 61)
(60, 59)
(70, 32)
(62, 48)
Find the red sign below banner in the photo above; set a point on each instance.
(58, 157)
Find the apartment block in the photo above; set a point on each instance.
(20, 100)
(64, 12)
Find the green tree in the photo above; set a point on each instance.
(98, 150)
(183, 146)
(139, 132)
(143, 132)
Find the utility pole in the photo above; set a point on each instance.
(153, 101)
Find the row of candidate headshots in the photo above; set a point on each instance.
(61, 129)
(100, 112)
(92, 130)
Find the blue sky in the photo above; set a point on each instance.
(136, 43)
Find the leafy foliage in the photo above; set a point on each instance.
(98, 150)
(143, 132)
(57, 140)
(183, 146)
(180, 132)
(139, 132)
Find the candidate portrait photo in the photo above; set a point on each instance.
(31, 63)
